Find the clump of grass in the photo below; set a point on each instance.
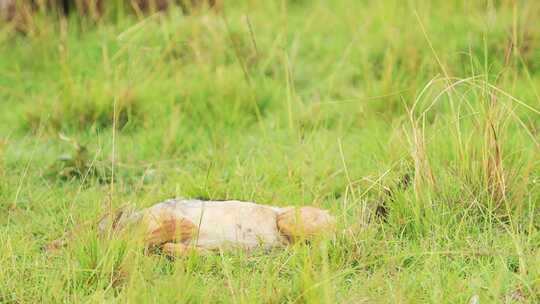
(79, 165)
(87, 106)
(105, 264)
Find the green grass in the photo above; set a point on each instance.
(326, 103)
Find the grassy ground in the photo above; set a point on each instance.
(431, 109)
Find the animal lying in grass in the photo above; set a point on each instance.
(179, 226)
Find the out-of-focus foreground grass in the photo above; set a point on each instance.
(428, 110)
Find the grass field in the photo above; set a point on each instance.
(427, 111)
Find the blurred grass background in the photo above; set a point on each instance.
(426, 111)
